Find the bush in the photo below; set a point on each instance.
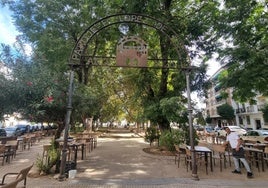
(151, 134)
(169, 138)
(53, 156)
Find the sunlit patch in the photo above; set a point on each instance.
(99, 172)
(139, 172)
(24, 160)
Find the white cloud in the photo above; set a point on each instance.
(213, 66)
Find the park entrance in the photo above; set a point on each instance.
(130, 50)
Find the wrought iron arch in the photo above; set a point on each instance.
(79, 54)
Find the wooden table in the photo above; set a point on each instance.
(75, 147)
(259, 146)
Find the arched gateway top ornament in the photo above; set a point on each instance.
(131, 51)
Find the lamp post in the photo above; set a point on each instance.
(187, 71)
(66, 130)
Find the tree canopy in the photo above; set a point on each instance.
(244, 30)
(226, 112)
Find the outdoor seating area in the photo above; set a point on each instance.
(78, 147)
(219, 158)
(11, 146)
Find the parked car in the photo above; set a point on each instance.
(260, 136)
(13, 131)
(24, 128)
(3, 132)
(233, 128)
(198, 127)
(209, 130)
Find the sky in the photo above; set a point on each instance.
(8, 31)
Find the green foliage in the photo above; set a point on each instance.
(186, 131)
(151, 134)
(208, 119)
(226, 111)
(169, 138)
(173, 108)
(200, 118)
(244, 26)
(177, 136)
(53, 156)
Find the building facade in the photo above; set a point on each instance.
(246, 115)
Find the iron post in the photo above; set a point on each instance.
(62, 175)
(190, 112)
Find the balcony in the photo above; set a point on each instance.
(240, 110)
(260, 107)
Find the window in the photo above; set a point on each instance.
(248, 120)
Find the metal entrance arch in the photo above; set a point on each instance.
(80, 55)
(81, 58)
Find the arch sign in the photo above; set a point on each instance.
(131, 55)
(80, 53)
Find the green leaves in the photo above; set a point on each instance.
(245, 24)
(226, 112)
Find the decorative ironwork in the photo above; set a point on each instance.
(81, 54)
(131, 55)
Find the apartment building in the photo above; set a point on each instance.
(246, 115)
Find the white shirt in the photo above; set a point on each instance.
(232, 138)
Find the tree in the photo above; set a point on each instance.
(200, 118)
(208, 119)
(226, 112)
(244, 31)
(32, 89)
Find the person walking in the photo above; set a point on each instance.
(238, 152)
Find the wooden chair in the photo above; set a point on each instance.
(254, 158)
(180, 151)
(95, 141)
(13, 144)
(12, 184)
(265, 155)
(188, 158)
(3, 153)
(228, 154)
(20, 176)
(45, 156)
(25, 142)
(218, 153)
(81, 147)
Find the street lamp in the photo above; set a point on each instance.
(187, 71)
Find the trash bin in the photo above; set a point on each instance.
(70, 165)
(72, 174)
